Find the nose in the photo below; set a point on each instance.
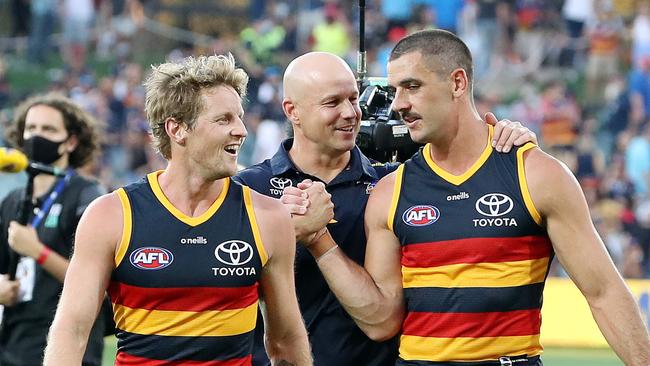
(239, 129)
(350, 110)
(400, 101)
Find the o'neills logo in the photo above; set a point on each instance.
(458, 197)
(199, 240)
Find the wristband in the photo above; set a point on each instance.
(42, 257)
(318, 235)
(329, 251)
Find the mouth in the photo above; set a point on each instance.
(232, 149)
(411, 119)
(347, 129)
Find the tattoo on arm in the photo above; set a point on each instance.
(284, 363)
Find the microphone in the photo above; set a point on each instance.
(14, 161)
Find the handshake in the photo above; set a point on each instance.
(311, 209)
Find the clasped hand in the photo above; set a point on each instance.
(311, 209)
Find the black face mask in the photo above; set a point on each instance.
(42, 150)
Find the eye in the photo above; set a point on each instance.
(413, 86)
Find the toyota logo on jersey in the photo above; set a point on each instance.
(151, 258)
(280, 183)
(234, 252)
(421, 215)
(494, 205)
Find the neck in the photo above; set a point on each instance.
(188, 191)
(44, 182)
(325, 165)
(460, 145)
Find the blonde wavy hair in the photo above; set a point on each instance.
(174, 89)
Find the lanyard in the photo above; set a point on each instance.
(45, 207)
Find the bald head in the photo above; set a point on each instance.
(311, 69)
(321, 103)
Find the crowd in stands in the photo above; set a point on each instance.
(577, 72)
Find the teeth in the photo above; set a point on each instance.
(232, 148)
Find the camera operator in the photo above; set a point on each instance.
(51, 130)
(321, 103)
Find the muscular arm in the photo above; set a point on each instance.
(373, 296)
(561, 203)
(86, 281)
(285, 335)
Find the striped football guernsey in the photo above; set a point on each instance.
(184, 290)
(474, 260)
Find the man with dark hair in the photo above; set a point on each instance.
(321, 105)
(51, 130)
(460, 237)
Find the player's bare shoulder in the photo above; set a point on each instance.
(108, 208)
(549, 180)
(387, 183)
(381, 198)
(274, 221)
(103, 220)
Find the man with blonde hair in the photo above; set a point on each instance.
(184, 253)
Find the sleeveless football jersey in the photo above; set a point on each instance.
(185, 289)
(474, 259)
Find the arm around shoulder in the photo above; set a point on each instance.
(558, 198)
(96, 239)
(285, 335)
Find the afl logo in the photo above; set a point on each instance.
(234, 252)
(151, 258)
(421, 215)
(280, 183)
(494, 205)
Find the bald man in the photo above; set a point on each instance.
(321, 103)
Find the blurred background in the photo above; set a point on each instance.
(577, 72)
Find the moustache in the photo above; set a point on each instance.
(410, 116)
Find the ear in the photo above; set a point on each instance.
(176, 130)
(71, 143)
(291, 111)
(459, 82)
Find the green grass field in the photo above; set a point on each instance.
(552, 356)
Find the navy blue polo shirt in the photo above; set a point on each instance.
(335, 338)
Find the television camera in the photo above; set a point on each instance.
(382, 136)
